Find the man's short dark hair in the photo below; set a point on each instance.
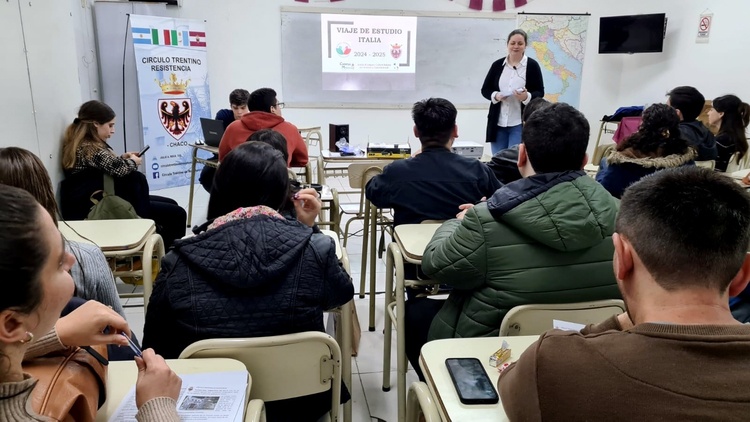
(556, 138)
(273, 138)
(239, 97)
(435, 119)
(262, 100)
(537, 103)
(689, 226)
(688, 100)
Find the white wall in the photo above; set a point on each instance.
(244, 51)
(39, 83)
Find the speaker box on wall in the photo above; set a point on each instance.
(335, 134)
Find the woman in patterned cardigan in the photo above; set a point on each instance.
(86, 158)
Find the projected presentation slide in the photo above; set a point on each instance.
(368, 52)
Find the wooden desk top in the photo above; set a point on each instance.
(333, 156)
(308, 129)
(109, 235)
(432, 362)
(412, 239)
(121, 377)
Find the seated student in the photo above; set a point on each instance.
(265, 113)
(656, 145)
(277, 142)
(86, 158)
(91, 274)
(689, 103)
(433, 184)
(34, 269)
(546, 238)
(731, 116)
(505, 163)
(238, 107)
(272, 138)
(253, 272)
(680, 253)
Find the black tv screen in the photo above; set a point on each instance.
(631, 34)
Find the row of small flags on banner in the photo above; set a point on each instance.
(168, 37)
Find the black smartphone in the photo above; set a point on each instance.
(471, 381)
(143, 151)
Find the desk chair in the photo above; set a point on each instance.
(255, 411)
(708, 164)
(282, 367)
(535, 319)
(359, 174)
(419, 402)
(394, 311)
(734, 166)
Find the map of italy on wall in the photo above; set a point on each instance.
(558, 43)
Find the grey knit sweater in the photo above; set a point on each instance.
(92, 276)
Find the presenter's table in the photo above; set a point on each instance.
(122, 239)
(196, 160)
(432, 362)
(121, 377)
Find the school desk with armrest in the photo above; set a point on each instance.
(409, 243)
(122, 239)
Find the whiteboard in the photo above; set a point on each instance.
(454, 53)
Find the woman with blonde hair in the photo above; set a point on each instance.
(91, 274)
(87, 158)
(731, 116)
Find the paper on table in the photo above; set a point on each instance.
(216, 396)
(567, 326)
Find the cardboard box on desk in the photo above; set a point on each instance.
(388, 150)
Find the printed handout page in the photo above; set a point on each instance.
(211, 396)
(566, 325)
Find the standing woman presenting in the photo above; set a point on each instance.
(510, 84)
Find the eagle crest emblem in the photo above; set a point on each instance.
(175, 115)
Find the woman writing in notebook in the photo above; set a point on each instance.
(510, 84)
(34, 269)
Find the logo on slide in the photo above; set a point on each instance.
(395, 51)
(343, 49)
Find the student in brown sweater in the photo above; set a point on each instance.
(677, 354)
(36, 285)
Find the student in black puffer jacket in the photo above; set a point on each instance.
(253, 272)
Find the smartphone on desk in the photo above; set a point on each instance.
(471, 381)
(143, 151)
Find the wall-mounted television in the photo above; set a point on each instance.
(632, 34)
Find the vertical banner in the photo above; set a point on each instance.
(170, 57)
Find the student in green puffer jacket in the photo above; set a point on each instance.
(546, 238)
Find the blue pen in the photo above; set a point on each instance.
(133, 346)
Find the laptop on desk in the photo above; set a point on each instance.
(213, 130)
